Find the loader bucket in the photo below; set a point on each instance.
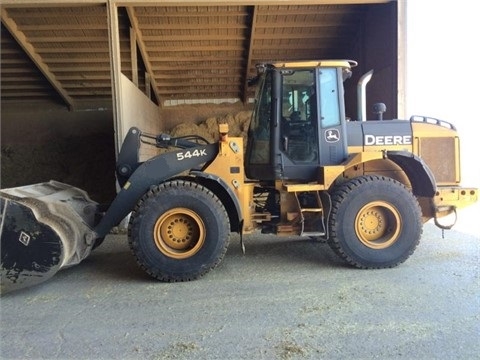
(44, 228)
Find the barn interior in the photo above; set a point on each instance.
(76, 75)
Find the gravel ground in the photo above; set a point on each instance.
(285, 299)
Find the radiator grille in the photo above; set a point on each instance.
(440, 156)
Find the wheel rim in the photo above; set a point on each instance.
(378, 225)
(179, 233)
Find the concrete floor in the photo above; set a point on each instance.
(285, 299)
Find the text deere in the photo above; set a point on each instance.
(388, 140)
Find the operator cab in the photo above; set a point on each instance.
(298, 123)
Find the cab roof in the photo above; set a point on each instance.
(315, 63)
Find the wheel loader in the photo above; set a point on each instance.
(364, 186)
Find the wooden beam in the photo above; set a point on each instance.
(18, 70)
(76, 77)
(183, 47)
(295, 46)
(299, 37)
(50, 3)
(307, 24)
(184, 76)
(19, 36)
(203, 81)
(87, 84)
(296, 9)
(76, 68)
(208, 67)
(65, 25)
(143, 51)
(25, 94)
(27, 87)
(75, 49)
(63, 39)
(190, 59)
(158, 11)
(14, 78)
(198, 26)
(240, 2)
(76, 60)
(194, 37)
(94, 92)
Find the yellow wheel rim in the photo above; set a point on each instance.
(378, 225)
(179, 233)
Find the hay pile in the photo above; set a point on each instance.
(208, 129)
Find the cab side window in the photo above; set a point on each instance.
(329, 107)
(299, 131)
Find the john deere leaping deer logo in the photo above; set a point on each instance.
(332, 135)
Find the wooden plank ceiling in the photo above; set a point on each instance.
(185, 52)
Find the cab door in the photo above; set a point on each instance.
(298, 132)
(331, 116)
(312, 131)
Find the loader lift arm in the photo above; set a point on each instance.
(137, 177)
(128, 157)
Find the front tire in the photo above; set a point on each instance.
(178, 231)
(375, 222)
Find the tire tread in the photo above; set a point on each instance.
(340, 195)
(139, 212)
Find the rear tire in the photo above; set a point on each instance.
(375, 222)
(178, 231)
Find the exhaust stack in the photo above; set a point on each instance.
(361, 95)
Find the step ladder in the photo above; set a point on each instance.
(312, 217)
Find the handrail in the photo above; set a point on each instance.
(430, 120)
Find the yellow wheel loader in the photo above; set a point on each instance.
(365, 187)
